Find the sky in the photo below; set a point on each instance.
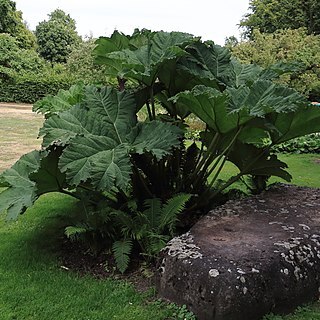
(211, 19)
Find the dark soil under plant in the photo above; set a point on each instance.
(75, 257)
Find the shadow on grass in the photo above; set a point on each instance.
(36, 235)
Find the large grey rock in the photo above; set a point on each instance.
(247, 258)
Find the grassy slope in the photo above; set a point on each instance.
(35, 287)
(305, 169)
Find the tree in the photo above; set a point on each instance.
(270, 15)
(15, 60)
(11, 23)
(57, 36)
(81, 63)
(289, 46)
(231, 42)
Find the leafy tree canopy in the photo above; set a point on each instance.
(60, 16)
(11, 23)
(14, 60)
(289, 46)
(81, 63)
(57, 36)
(270, 15)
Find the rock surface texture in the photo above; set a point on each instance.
(248, 257)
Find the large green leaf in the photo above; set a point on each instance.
(32, 175)
(59, 129)
(156, 137)
(173, 108)
(253, 135)
(22, 192)
(64, 100)
(174, 80)
(95, 133)
(105, 45)
(128, 63)
(117, 109)
(84, 155)
(264, 97)
(117, 42)
(242, 74)
(98, 134)
(166, 46)
(256, 161)
(207, 61)
(48, 177)
(144, 63)
(287, 126)
(210, 106)
(104, 112)
(236, 107)
(111, 168)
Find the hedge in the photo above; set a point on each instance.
(33, 88)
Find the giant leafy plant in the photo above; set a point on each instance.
(89, 147)
(126, 173)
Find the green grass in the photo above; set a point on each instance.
(310, 312)
(304, 168)
(35, 287)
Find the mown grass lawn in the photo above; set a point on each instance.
(35, 287)
(34, 284)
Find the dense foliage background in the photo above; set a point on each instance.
(12, 24)
(33, 65)
(283, 31)
(268, 16)
(274, 31)
(294, 46)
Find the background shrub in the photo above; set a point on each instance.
(25, 76)
(307, 144)
(288, 46)
(80, 63)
